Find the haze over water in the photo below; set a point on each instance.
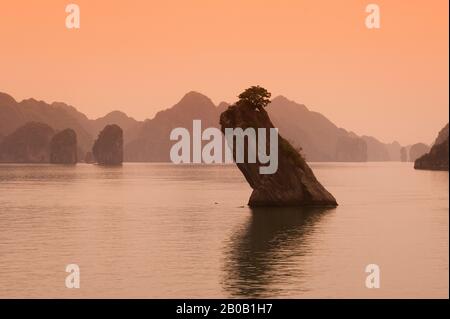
(162, 230)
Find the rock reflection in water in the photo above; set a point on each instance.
(263, 256)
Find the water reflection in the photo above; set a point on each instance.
(262, 255)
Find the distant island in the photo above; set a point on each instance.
(147, 141)
(293, 183)
(437, 158)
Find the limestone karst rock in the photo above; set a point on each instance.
(403, 154)
(417, 150)
(437, 158)
(108, 148)
(63, 147)
(293, 184)
(30, 143)
(146, 141)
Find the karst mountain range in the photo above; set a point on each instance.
(148, 141)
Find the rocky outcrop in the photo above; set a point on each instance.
(417, 150)
(63, 147)
(293, 184)
(108, 148)
(28, 144)
(437, 158)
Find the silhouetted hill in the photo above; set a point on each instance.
(442, 136)
(129, 125)
(376, 151)
(153, 143)
(148, 141)
(292, 183)
(27, 144)
(60, 116)
(320, 139)
(57, 115)
(108, 147)
(437, 158)
(417, 150)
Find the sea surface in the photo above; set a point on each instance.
(166, 231)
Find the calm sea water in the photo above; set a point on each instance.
(159, 230)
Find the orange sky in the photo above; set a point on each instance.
(143, 56)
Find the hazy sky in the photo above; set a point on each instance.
(143, 56)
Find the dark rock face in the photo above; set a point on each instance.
(417, 150)
(437, 158)
(108, 148)
(293, 184)
(28, 144)
(63, 147)
(442, 136)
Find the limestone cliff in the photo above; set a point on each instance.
(28, 144)
(108, 148)
(437, 158)
(293, 184)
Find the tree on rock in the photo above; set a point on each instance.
(63, 147)
(108, 148)
(255, 96)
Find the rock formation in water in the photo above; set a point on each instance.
(28, 144)
(437, 158)
(293, 184)
(108, 148)
(63, 147)
(59, 116)
(417, 150)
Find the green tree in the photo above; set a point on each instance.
(256, 96)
